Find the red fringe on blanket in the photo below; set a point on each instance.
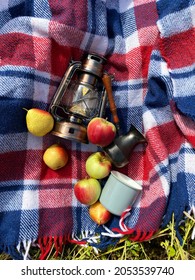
(134, 234)
(46, 243)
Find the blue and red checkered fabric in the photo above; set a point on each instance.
(149, 46)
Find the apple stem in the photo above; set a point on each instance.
(25, 109)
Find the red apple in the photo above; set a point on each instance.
(87, 191)
(99, 214)
(98, 165)
(101, 132)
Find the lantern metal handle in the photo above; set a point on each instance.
(74, 66)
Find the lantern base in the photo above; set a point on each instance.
(70, 131)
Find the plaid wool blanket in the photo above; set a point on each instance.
(150, 50)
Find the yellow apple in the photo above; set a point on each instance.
(55, 157)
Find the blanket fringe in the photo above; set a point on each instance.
(46, 244)
(88, 238)
(134, 234)
(20, 251)
(96, 239)
(24, 247)
(11, 251)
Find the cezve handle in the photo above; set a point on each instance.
(108, 86)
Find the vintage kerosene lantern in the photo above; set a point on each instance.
(80, 97)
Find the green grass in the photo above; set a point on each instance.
(164, 245)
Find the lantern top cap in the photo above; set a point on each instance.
(94, 64)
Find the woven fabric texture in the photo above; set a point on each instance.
(149, 47)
